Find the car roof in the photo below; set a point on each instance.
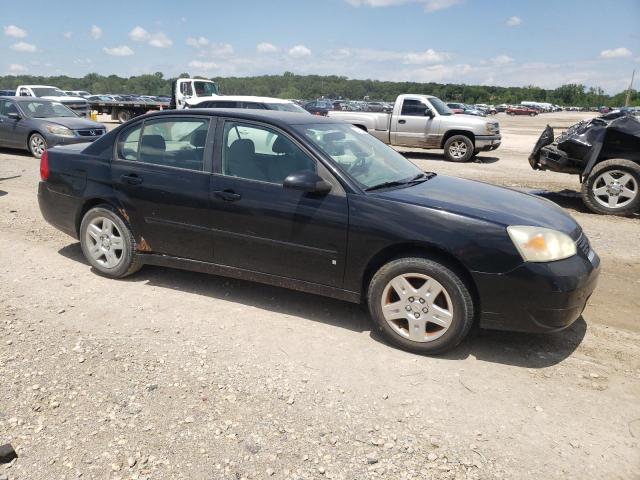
(275, 117)
(248, 98)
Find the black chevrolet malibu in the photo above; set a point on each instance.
(317, 205)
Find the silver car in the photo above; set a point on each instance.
(36, 124)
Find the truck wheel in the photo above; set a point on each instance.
(124, 116)
(107, 243)
(613, 188)
(458, 148)
(420, 305)
(37, 145)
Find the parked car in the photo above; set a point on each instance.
(77, 93)
(317, 205)
(456, 107)
(78, 104)
(522, 110)
(424, 121)
(36, 124)
(7, 93)
(605, 153)
(319, 107)
(245, 101)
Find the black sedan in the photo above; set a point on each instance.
(34, 124)
(317, 205)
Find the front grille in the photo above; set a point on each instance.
(583, 244)
(91, 132)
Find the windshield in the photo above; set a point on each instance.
(364, 158)
(440, 106)
(48, 92)
(285, 107)
(36, 109)
(205, 89)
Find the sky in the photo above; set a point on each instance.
(482, 42)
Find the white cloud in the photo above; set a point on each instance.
(428, 56)
(24, 47)
(96, 32)
(299, 51)
(202, 66)
(514, 21)
(620, 52)
(429, 5)
(197, 42)
(266, 47)
(67, 35)
(158, 39)
(501, 60)
(121, 51)
(15, 32)
(17, 68)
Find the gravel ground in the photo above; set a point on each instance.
(172, 374)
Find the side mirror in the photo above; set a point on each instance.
(13, 115)
(428, 113)
(307, 181)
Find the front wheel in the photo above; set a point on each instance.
(421, 305)
(613, 188)
(532, 114)
(37, 145)
(458, 148)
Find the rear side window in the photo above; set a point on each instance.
(172, 142)
(128, 144)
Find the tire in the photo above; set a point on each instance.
(37, 144)
(613, 188)
(532, 114)
(453, 308)
(458, 148)
(96, 249)
(124, 116)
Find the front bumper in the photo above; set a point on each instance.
(538, 297)
(485, 143)
(53, 140)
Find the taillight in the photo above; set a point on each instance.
(44, 165)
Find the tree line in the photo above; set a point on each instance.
(289, 85)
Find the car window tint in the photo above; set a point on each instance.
(259, 153)
(9, 107)
(253, 105)
(174, 142)
(414, 108)
(128, 143)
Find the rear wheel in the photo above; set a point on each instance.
(37, 145)
(532, 114)
(613, 188)
(458, 148)
(107, 243)
(124, 116)
(420, 305)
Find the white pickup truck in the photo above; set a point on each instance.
(189, 92)
(78, 104)
(424, 121)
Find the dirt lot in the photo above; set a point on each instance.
(173, 374)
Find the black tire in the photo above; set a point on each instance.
(124, 116)
(458, 292)
(532, 114)
(596, 203)
(454, 143)
(37, 144)
(129, 262)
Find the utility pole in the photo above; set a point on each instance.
(626, 102)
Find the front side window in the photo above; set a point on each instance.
(185, 88)
(259, 153)
(413, 108)
(363, 157)
(205, 89)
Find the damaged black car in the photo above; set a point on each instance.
(605, 153)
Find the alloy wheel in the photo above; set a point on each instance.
(615, 189)
(458, 149)
(105, 242)
(417, 307)
(37, 144)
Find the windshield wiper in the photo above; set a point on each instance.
(421, 177)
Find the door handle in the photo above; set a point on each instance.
(402, 121)
(132, 179)
(228, 195)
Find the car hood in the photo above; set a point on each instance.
(486, 202)
(74, 123)
(464, 120)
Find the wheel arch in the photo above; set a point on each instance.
(31, 132)
(91, 203)
(451, 133)
(361, 127)
(417, 249)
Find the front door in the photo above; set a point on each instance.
(413, 127)
(161, 174)
(260, 225)
(13, 132)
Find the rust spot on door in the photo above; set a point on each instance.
(143, 246)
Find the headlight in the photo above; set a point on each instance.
(60, 130)
(537, 244)
(492, 127)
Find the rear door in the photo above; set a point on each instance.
(161, 173)
(412, 127)
(264, 227)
